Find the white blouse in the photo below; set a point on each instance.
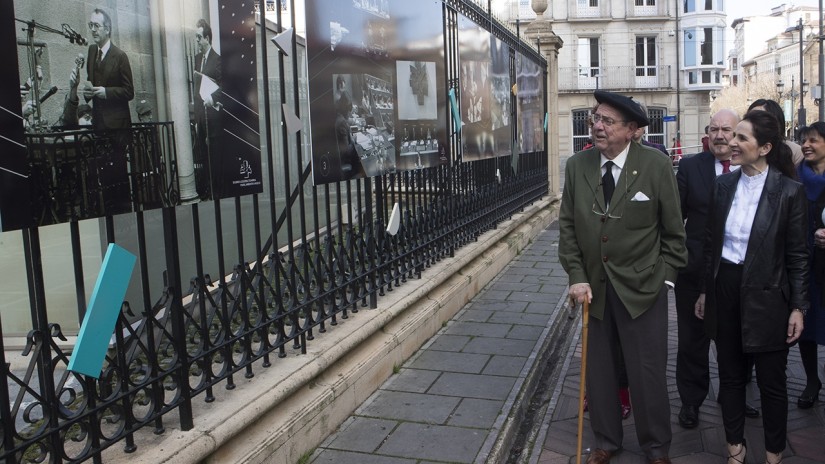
(740, 218)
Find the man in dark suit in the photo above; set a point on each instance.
(622, 244)
(207, 118)
(110, 90)
(695, 178)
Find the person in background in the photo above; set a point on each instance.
(144, 111)
(812, 175)
(773, 107)
(706, 140)
(756, 279)
(638, 136)
(695, 179)
(621, 243)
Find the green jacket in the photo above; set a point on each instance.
(639, 250)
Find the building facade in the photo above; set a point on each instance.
(668, 54)
(765, 61)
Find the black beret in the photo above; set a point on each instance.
(629, 108)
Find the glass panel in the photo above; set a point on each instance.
(690, 6)
(594, 52)
(690, 47)
(707, 46)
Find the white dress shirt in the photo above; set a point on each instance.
(740, 218)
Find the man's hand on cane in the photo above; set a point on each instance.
(579, 293)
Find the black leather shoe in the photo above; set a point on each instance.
(751, 411)
(809, 396)
(689, 416)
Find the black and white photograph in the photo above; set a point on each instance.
(363, 125)
(477, 141)
(389, 98)
(530, 85)
(416, 90)
(501, 93)
(119, 114)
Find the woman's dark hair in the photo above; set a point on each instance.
(773, 108)
(817, 127)
(766, 130)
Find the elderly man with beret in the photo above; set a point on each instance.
(622, 242)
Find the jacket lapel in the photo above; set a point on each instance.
(764, 217)
(707, 172)
(593, 175)
(725, 189)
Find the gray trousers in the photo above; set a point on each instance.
(643, 342)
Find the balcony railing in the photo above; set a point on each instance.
(573, 79)
(634, 10)
(586, 9)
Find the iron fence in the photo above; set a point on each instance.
(320, 262)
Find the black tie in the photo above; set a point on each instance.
(608, 184)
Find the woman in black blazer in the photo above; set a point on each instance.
(756, 288)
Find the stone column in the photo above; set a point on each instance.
(540, 33)
(177, 78)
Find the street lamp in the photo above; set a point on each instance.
(792, 94)
(802, 119)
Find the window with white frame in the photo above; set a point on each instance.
(587, 8)
(656, 128)
(588, 59)
(645, 56)
(581, 129)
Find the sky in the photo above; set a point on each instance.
(741, 8)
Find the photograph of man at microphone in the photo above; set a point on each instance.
(109, 90)
(129, 105)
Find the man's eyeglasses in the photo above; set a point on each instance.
(198, 37)
(596, 117)
(95, 26)
(597, 208)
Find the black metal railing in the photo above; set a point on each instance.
(302, 262)
(85, 173)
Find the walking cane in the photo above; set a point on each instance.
(585, 317)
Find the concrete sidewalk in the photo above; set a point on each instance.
(461, 397)
(504, 373)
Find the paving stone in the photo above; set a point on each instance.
(499, 305)
(362, 434)
(451, 362)
(506, 346)
(525, 332)
(476, 413)
(510, 286)
(495, 295)
(411, 380)
(545, 307)
(528, 297)
(345, 457)
(519, 318)
(429, 408)
(477, 315)
(446, 342)
(473, 386)
(441, 443)
(509, 366)
(478, 329)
